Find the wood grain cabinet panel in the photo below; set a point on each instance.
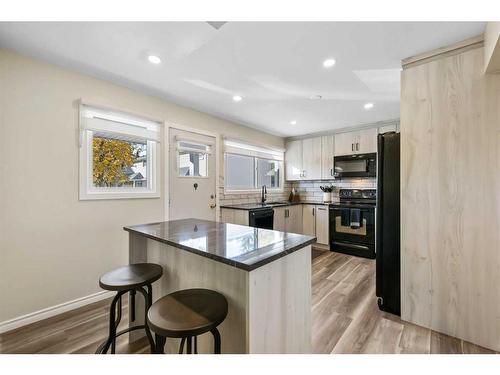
(450, 201)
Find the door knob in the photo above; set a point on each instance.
(213, 205)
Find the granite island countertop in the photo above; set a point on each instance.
(240, 246)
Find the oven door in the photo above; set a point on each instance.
(351, 239)
(363, 165)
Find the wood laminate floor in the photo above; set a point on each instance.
(346, 319)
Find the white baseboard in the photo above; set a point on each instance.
(49, 312)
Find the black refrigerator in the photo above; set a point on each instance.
(387, 225)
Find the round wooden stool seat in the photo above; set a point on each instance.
(131, 276)
(187, 313)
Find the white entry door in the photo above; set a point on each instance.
(192, 175)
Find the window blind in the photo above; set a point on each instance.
(240, 148)
(118, 125)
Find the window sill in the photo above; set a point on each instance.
(118, 195)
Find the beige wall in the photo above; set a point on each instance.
(53, 247)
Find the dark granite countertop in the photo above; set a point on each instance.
(260, 206)
(240, 246)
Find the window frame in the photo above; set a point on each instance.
(87, 190)
(256, 188)
(207, 154)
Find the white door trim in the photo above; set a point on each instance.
(167, 164)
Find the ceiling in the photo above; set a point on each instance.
(275, 66)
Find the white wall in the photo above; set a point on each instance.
(53, 247)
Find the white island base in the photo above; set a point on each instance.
(269, 307)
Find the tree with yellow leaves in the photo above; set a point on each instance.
(111, 157)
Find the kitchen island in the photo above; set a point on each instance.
(264, 274)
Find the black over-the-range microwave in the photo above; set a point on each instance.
(360, 165)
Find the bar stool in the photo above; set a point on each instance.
(185, 314)
(129, 279)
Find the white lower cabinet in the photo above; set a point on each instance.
(308, 219)
(288, 219)
(315, 222)
(322, 222)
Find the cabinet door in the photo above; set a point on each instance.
(293, 161)
(367, 142)
(279, 219)
(344, 143)
(327, 152)
(293, 221)
(308, 219)
(322, 225)
(311, 158)
(387, 128)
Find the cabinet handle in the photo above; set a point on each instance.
(321, 209)
(357, 146)
(331, 171)
(352, 146)
(313, 210)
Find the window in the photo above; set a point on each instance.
(248, 167)
(118, 155)
(192, 159)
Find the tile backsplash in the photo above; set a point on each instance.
(309, 191)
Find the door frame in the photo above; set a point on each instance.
(167, 164)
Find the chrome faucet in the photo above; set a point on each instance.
(263, 196)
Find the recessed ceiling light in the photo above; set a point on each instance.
(154, 59)
(368, 106)
(237, 98)
(328, 63)
(293, 122)
(315, 97)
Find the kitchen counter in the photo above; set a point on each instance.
(260, 206)
(240, 246)
(264, 274)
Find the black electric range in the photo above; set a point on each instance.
(352, 222)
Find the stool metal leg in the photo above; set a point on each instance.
(181, 346)
(196, 345)
(160, 344)
(188, 350)
(217, 346)
(112, 324)
(147, 305)
(132, 305)
(116, 323)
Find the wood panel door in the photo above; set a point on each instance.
(311, 158)
(293, 161)
(308, 219)
(327, 152)
(450, 205)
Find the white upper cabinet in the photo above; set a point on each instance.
(388, 128)
(367, 142)
(357, 142)
(327, 152)
(303, 159)
(293, 161)
(311, 159)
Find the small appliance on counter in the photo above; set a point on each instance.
(388, 269)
